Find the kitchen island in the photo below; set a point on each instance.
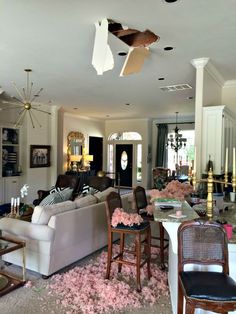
(171, 225)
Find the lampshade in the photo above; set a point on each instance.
(89, 157)
(75, 157)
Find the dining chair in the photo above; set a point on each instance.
(142, 237)
(140, 203)
(203, 243)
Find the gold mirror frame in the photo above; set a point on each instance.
(71, 137)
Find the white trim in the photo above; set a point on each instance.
(230, 83)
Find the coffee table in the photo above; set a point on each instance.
(9, 282)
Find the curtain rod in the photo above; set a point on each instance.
(168, 123)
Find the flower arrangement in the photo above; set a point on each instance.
(174, 190)
(121, 217)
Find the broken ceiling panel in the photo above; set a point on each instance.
(134, 60)
(102, 59)
(132, 37)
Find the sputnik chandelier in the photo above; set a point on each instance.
(176, 141)
(25, 102)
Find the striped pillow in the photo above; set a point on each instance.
(57, 197)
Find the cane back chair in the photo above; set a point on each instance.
(204, 243)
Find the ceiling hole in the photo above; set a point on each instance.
(161, 78)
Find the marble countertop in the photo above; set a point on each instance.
(164, 215)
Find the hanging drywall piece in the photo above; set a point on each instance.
(134, 60)
(102, 59)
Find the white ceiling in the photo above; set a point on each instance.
(55, 39)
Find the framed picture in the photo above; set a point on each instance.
(39, 156)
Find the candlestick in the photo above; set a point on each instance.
(18, 201)
(234, 173)
(226, 160)
(195, 159)
(12, 201)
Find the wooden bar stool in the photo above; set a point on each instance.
(140, 201)
(139, 232)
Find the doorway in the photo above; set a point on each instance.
(96, 149)
(124, 164)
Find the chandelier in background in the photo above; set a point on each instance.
(176, 141)
(25, 102)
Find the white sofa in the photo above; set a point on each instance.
(61, 234)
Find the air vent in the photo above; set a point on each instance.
(175, 88)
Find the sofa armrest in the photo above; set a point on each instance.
(27, 229)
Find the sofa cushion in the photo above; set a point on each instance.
(85, 201)
(57, 197)
(42, 214)
(101, 196)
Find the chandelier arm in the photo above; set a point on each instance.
(30, 91)
(18, 91)
(20, 118)
(15, 107)
(35, 118)
(36, 95)
(31, 118)
(25, 97)
(33, 108)
(21, 101)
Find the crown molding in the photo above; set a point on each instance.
(210, 69)
(230, 83)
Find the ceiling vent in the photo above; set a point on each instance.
(175, 88)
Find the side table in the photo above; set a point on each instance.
(10, 282)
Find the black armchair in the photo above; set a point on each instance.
(63, 181)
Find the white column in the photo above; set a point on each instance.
(199, 64)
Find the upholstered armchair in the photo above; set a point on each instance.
(63, 181)
(160, 177)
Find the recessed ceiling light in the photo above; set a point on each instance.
(75, 108)
(170, 1)
(161, 78)
(127, 104)
(122, 53)
(107, 115)
(190, 97)
(168, 48)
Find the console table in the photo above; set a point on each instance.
(9, 282)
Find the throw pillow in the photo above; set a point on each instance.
(85, 201)
(86, 189)
(55, 189)
(57, 197)
(42, 214)
(101, 196)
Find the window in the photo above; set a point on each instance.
(185, 155)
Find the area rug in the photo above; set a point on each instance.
(83, 289)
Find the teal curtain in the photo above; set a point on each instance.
(162, 152)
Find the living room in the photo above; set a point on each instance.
(57, 42)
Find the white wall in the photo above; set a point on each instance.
(211, 91)
(70, 122)
(229, 95)
(39, 178)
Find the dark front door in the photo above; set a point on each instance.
(96, 149)
(124, 164)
